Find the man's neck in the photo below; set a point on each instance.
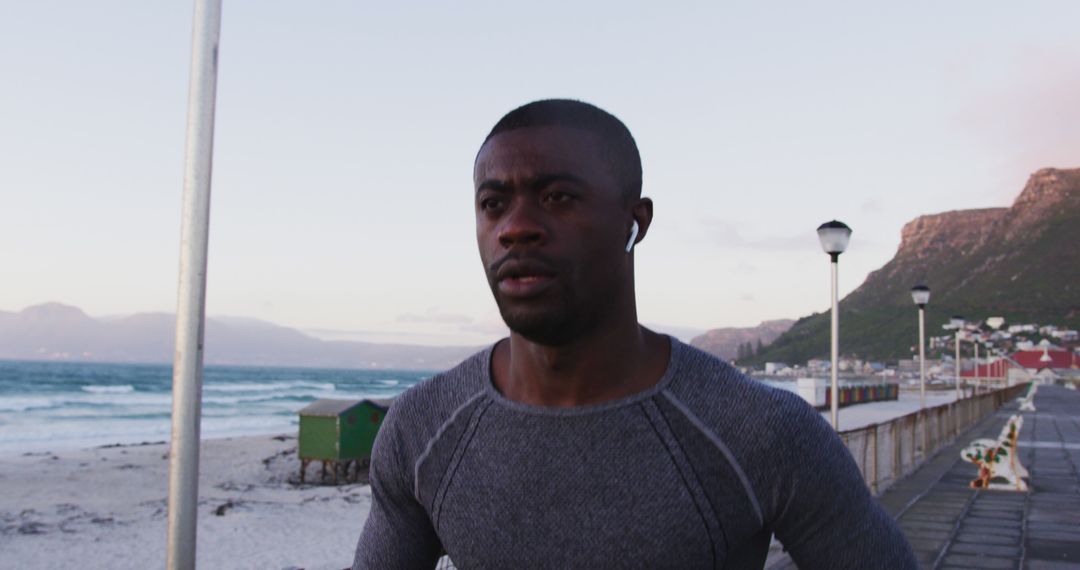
(604, 366)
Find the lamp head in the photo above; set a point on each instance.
(834, 237)
(921, 295)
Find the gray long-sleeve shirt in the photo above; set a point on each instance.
(697, 472)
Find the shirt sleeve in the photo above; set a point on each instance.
(825, 515)
(398, 532)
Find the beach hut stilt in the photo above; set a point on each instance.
(191, 294)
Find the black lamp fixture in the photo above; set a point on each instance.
(921, 295)
(834, 237)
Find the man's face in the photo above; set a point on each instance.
(551, 225)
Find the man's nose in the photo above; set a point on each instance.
(522, 225)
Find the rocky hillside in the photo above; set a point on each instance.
(725, 342)
(1021, 262)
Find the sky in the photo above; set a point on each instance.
(345, 135)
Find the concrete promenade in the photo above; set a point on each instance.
(951, 525)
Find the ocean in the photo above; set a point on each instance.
(51, 406)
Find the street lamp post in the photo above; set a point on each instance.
(978, 381)
(834, 238)
(995, 323)
(921, 295)
(957, 322)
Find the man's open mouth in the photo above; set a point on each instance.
(523, 277)
(525, 286)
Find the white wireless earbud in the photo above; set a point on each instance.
(633, 236)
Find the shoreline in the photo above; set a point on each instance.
(70, 446)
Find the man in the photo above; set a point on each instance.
(586, 440)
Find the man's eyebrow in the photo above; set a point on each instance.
(493, 185)
(534, 183)
(545, 180)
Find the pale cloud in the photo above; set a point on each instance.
(434, 316)
(726, 233)
(497, 328)
(1029, 121)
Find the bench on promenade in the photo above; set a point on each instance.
(1027, 403)
(997, 460)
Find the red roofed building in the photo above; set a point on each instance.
(996, 369)
(1053, 358)
(1037, 364)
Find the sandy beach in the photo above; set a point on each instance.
(105, 508)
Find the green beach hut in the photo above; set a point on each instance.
(339, 433)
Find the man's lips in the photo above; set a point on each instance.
(523, 277)
(525, 286)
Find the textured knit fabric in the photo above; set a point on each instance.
(697, 472)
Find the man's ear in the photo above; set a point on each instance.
(642, 211)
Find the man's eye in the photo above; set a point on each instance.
(558, 197)
(490, 203)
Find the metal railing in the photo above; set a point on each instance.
(888, 451)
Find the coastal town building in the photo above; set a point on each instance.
(1049, 363)
(777, 368)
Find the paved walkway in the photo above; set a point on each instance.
(953, 526)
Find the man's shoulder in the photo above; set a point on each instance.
(726, 400)
(759, 429)
(419, 411)
(465, 379)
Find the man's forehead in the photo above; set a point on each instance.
(533, 151)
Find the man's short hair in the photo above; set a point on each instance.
(618, 147)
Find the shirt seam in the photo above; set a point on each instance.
(431, 442)
(683, 476)
(724, 450)
(455, 461)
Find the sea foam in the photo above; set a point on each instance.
(122, 389)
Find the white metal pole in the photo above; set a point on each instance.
(957, 362)
(922, 358)
(978, 380)
(835, 347)
(191, 294)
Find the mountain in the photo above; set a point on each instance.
(725, 342)
(1021, 263)
(53, 331)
